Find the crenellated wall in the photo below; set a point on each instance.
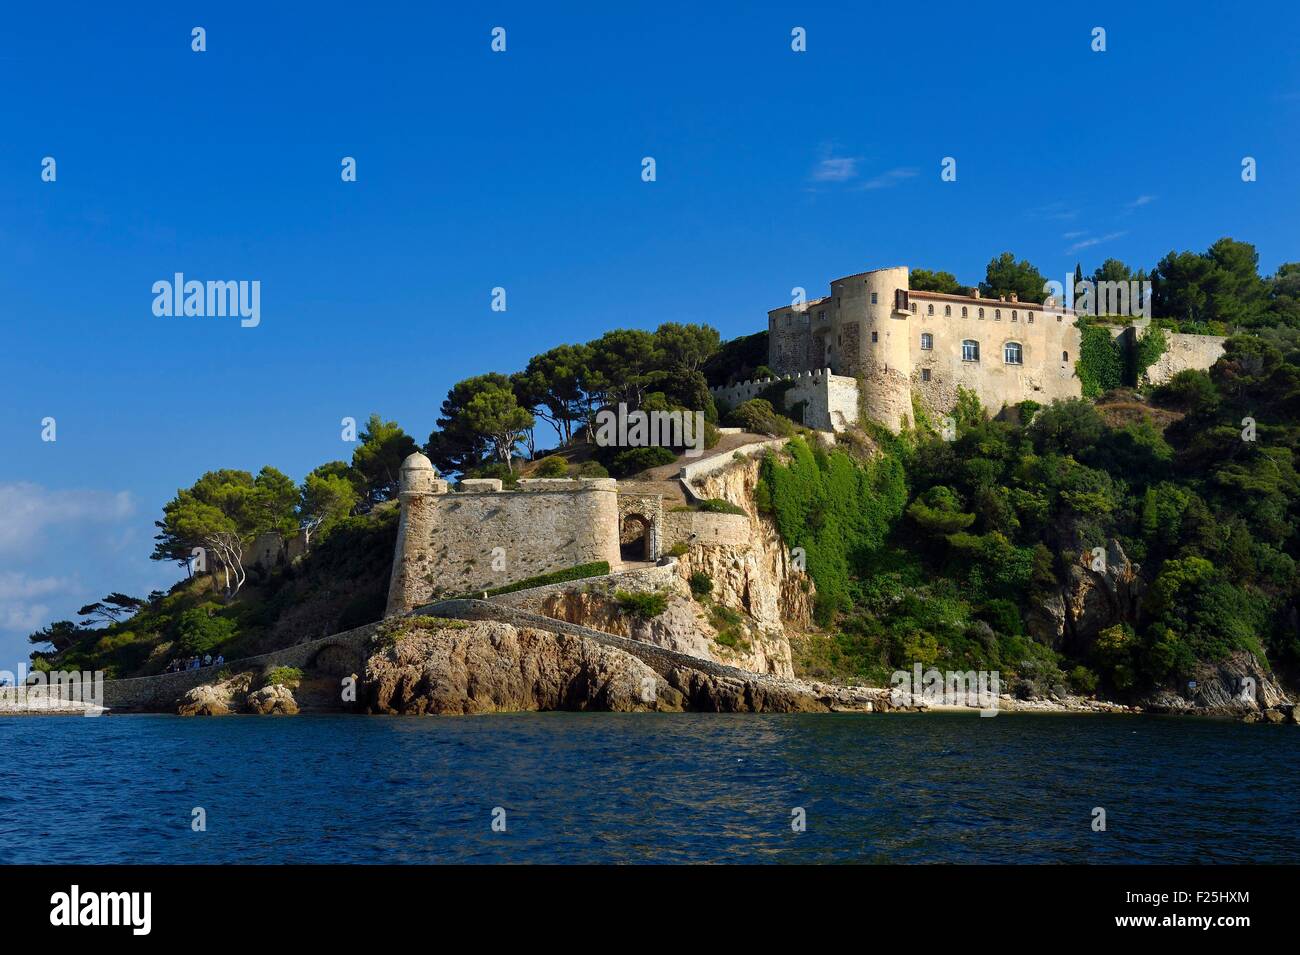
(830, 402)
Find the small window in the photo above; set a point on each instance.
(839, 340)
(929, 310)
(947, 311)
(927, 341)
(970, 350)
(913, 308)
(901, 302)
(964, 313)
(1014, 316)
(981, 315)
(925, 374)
(1065, 356)
(1029, 317)
(821, 316)
(1012, 353)
(873, 298)
(997, 314)
(1058, 319)
(875, 337)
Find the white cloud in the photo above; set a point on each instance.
(891, 177)
(19, 608)
(1096, 240)
(29, 509)
(1140, 201)
(835, 169)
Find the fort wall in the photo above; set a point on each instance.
(481, 538)
(1183, 352)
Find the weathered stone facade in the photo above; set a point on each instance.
(1183, 352)
(481, 537)
(898, 343)
(451, 543)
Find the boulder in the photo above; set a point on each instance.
(205, 700)
(272, 700)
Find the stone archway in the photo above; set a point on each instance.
(636, 538)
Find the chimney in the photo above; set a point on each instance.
(975, 292)
(1002, 298)
(1015, 297)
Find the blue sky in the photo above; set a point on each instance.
(522, 170)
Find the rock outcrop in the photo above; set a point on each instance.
(1100, 591)
(1233, 686)
(489, 667)
(486, 666)
(272, 700)
(235, 695)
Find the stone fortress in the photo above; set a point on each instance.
(481, 537)
(873, 343)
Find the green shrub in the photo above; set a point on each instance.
(552, 467)
(716, 505)
(597, 568)
(287, 677)
(635, 460)
(1082, 680)
(758, 416)
(197, 631)
(592, 469)
(643, 606)
(701, 584)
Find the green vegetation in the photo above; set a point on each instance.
(288, 677)
(729, 626)
(643, 605)
(552, 467)
(716, 505)
(701, 585)
(598, 568)
(758, 415)
(946, 552)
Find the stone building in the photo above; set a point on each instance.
(896, 342)
(481, 537)
(873, 344)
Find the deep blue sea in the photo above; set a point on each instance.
(604, 787)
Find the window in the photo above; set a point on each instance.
(1058, 319)
(970, 350)
(875, 337)
(913, 308)
(839, 340)
(929, 310)
(1014, 316)
(947, 311)
(821, 316)
(981, 313)
(1012, 353)
(925, 374)
(1029, 317)
(901, 301)
(997, 314)
(927, 341)
(1065, 356)
(963, 312)
(873, 298)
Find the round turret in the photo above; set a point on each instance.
(418, 475)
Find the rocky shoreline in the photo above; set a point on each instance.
(432, 666)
